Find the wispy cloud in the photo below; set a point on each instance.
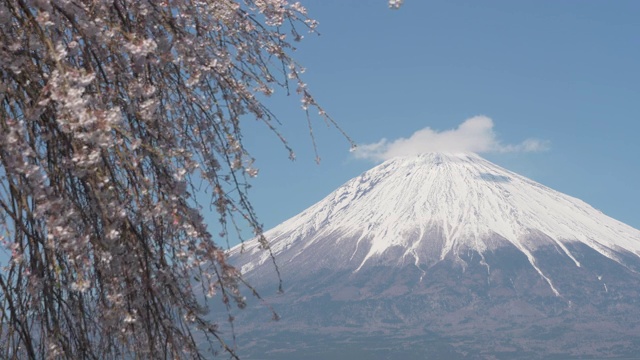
(473, 135)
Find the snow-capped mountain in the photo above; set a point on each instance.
(451, 245)
(472, 202)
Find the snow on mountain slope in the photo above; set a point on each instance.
(467, 198)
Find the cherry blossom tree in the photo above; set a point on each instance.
(113, 116)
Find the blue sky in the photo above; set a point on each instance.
(563, 72)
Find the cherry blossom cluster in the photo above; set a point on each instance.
(115, 118)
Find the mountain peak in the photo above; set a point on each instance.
(467, 201)
(438, 157)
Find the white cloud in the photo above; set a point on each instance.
(473, 135)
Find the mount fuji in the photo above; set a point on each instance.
(444, 256)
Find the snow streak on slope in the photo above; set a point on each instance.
(470, 200)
